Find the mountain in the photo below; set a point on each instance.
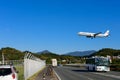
(44, 52)
(107, 51)
(11, 54)
(81, 53)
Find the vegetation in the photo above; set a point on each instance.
(106, 51)
(20, 70)
(13, 54)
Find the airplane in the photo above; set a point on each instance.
(94, 35)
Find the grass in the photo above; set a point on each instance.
(20, 69)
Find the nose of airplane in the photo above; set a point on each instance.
(79, 33)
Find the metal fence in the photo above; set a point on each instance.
(32, 65)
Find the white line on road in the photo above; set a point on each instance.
(57, 75)
(108, 75)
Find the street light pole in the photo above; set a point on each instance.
(3, 60)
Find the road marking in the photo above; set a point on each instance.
(108, 75)
(57, 75)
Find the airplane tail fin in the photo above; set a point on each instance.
(107, 33)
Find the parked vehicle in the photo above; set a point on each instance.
(8, 72)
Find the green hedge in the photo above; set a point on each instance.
(115, 67)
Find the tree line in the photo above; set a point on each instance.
(14, 54)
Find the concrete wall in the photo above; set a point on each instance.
(32, 65)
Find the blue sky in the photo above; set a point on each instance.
(37, 25)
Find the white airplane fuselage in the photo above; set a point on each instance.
(94, 35)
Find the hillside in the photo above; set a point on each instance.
(43, 52)
(81, 53)
(14, 54)
(11, 53)
(106, 51)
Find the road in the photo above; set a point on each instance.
(74, 73)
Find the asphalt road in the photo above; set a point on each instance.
(74, 73)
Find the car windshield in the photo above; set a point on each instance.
(102, 62)
(5, 71)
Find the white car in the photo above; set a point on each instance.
(8, 72)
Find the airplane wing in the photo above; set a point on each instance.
(96, 34)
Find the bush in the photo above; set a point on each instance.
(115, 67)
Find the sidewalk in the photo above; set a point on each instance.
(47, 74)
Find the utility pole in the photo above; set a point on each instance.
(3, 60)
